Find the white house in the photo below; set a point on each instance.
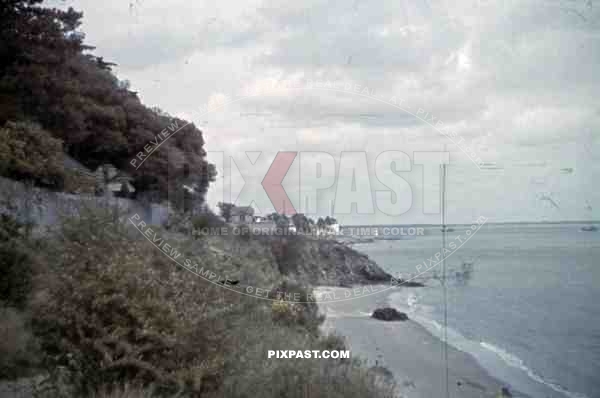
(329, 230)
(242, 215)
(113, 180)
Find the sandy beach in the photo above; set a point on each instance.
(413, 355)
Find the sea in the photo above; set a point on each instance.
(523, 299)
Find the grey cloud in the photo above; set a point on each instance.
(506, 75)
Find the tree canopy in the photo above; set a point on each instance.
(48, 76)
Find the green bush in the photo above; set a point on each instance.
(15, 263)
(17, 346)
(28, 152)
(205, 222)
(110, 309)
(124, 391)
(293, 309)
(200, 222)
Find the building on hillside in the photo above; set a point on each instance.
(242, 215)
(291, 227)
(113, 182)
(329, 230)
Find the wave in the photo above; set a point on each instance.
(420, 313)
(516, 362)
(331, 313)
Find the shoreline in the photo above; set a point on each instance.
(408, 350)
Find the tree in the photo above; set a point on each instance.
(311, 224)
(281, 220)
(225, 209)
(301, 222)
(46, 76)
(330, 220)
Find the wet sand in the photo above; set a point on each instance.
(413, 355)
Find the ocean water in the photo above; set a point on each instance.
(523, 299)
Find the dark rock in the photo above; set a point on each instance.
(506, 392)
(402, 282)
(328, 262)
(383, 372)
(389, 314)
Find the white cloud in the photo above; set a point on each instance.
(512, 78)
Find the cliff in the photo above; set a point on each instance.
(328, 262)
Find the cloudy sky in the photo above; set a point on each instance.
(513, 81)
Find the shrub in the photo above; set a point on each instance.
(109, 309)
(28, 152)
(250, 373)
(293, 308)
(283, 311)
(203, 222)
(200, 222)
(244, 232)
(287, 252)
(179, 222)
(124, 391)
(15, 263)
(17, 345)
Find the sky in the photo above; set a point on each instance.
(371, 94)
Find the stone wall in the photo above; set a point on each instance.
(44, 207)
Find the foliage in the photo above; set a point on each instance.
(281, 220)
(179, 222)
(301, 222)
(108, 309)
(330, 220)
(225, 209)
(292, 308)
(46, 75)
(322, 222)
(17, 345)
(287, 252)
(204, 222)
(111, 311)
(15, 263)
(126, 391)
(200, 222)
(28, 152)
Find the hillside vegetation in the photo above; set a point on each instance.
(89, 308)
(103, 310)
(56, 96)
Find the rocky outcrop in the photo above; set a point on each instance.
(325, 262)
(389, 314)
(402, 282)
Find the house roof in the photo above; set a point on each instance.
(122, 177)
(242, 211)
(116, 186)
(114, 174)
